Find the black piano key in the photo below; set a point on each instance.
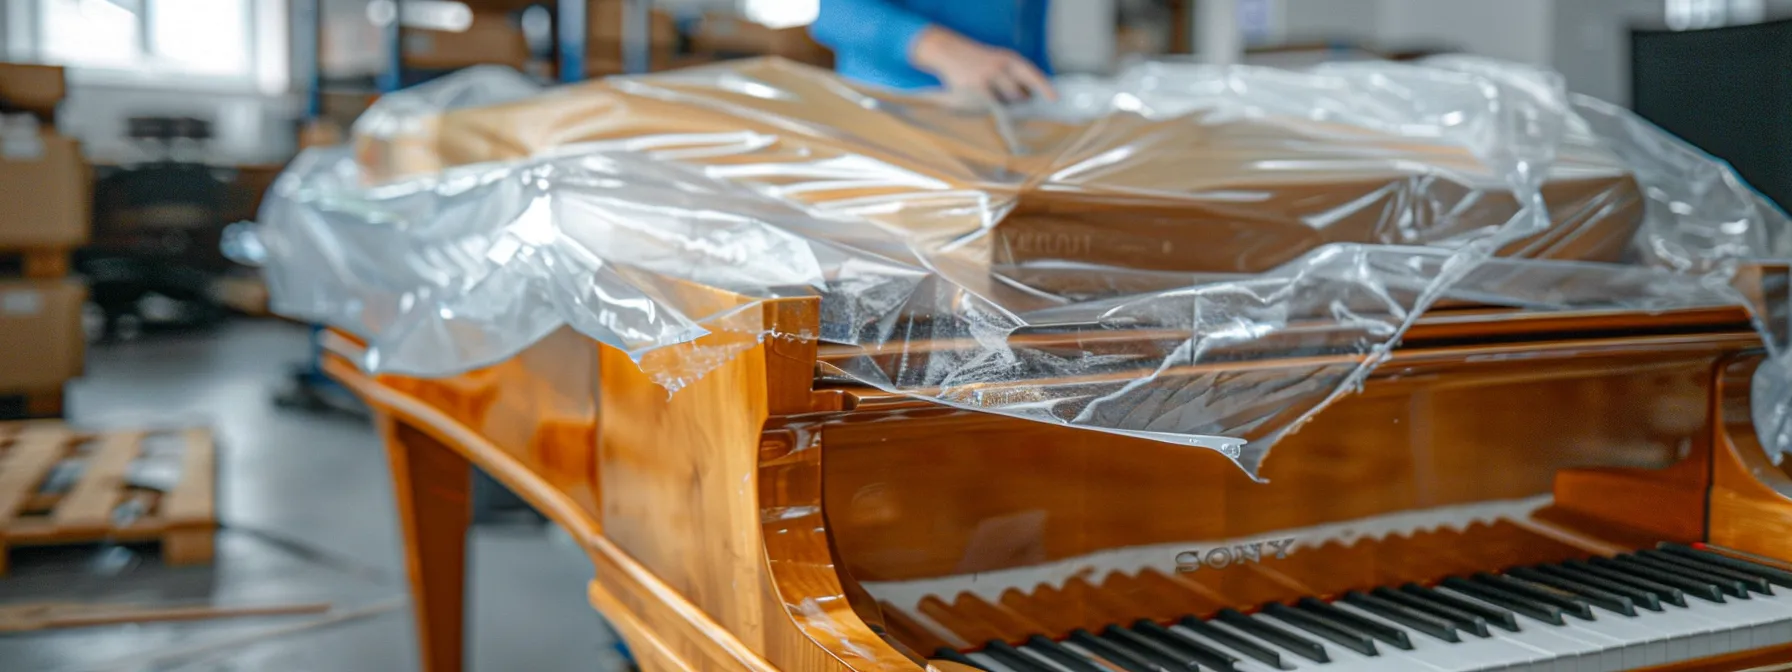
(1325, 628)
(949, 653)
(1542, 611)
(1206, 655)
(1248, 648)
(1013, 659)
(1407, 616)
(1495, 616)
(1667, 593)
(1568, 602)
(1693, 585)
(1070, 660)
(1380, 631)
(1301, 646)
(1777, 576)
(1606, 599)
(1463, 620)
(1114, 654)
(1137, 643)
(1638, 597)
(1749, 581)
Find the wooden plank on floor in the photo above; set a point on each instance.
(191, 502)
(23, 467)
(12, 428)
(89, 504)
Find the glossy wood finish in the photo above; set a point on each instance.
(751, 521)
(686, 496)
(670, 509)
(434, 491)
(652, 616)
(975, 492)
(1751, 497)
(1175, 227)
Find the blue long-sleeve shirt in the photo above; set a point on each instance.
(871, 39)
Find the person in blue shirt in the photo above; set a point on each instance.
(995, 48)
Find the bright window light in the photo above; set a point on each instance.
(781, 13)
(202, 37)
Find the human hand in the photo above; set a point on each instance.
(967, 66)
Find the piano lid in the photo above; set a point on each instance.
(1225, 213)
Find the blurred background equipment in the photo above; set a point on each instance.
(154, 254)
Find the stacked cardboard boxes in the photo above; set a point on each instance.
(604, 44)
(46, 185)
(726, 36)
(491, 37)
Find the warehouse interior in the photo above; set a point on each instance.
(249, 518)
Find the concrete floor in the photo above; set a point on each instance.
(308, 517)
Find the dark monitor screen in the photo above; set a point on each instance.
(1727, 91)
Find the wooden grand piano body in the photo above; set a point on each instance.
(774, 515)
(769, 516)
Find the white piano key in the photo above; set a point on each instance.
(1695, 634)
(1288, 657)
(1078, 649)
(1722, 637)
(1569, 654)
(1245, 663)
(1641, 643)
(988, 662)
(1346, 660)
(1770, 618)
(1043, 660)
(1472, 653)
(1779, 631)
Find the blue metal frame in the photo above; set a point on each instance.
(306, 54)
(392, 77)
(572, 29)
(307, 24)
(636, 36)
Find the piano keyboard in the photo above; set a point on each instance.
(1653, 607)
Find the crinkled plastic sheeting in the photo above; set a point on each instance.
(1215, 209)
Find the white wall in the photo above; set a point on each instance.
(1514, 30)
(1592, 44)
(1080, 35)
(1307, 20)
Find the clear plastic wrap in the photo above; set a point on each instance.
(1222, 211)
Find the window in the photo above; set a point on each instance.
(781, 13)
(206, 43)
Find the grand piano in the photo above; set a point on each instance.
(1176, 386)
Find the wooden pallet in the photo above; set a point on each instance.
(40, 263)
(98, 504)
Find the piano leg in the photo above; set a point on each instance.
(434, 488)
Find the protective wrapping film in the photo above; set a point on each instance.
(1203, 214)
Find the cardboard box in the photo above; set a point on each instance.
(32, 88)
(491, 38)
(606, 63)
(320, 133)
(732, 36)
(41, 340)
(48, 191)
(604, 26)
